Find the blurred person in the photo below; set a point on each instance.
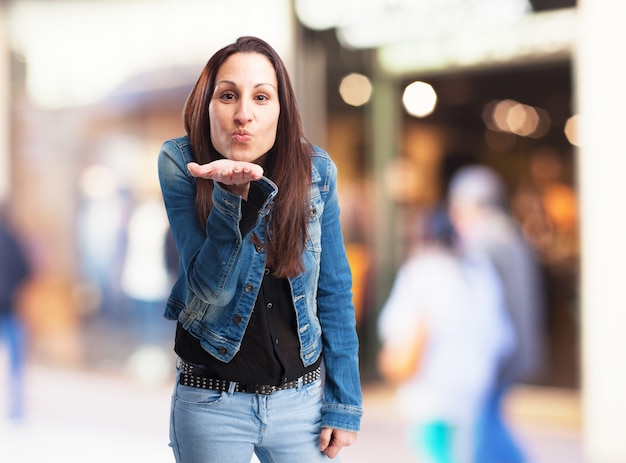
(102, 221)
(14, 272)
(449, 306)
(264, 296)
(145, 277)
(477, 204)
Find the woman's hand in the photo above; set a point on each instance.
(234, 175)
(333, 440)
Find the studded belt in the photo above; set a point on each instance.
(189, 377)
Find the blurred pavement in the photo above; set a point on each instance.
(76, 416)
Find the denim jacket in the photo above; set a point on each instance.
(220, 274)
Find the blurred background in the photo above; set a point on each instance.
(401, 93)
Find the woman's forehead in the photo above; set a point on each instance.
(247, 66)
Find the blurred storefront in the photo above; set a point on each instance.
(501, 78)
(545, 62)
(78, 145)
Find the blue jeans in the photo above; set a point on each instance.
(12, 332)
(228, 427)
(495, 443)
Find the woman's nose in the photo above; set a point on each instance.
(244, 112)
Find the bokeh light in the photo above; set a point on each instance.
(571, 129)
(419, 99)
(355, 89)
(513, 117)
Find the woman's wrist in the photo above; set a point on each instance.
(240, 190)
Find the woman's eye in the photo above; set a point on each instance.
(227, 96)
(262, 97)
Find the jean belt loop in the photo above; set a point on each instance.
(231, 387)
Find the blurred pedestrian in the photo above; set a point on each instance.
(144, 277)
(450, 308)
(264, 289)
(477, 202)
(14, 272)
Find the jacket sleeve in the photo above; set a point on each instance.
(342, 389)
(209, 253)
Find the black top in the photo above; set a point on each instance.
(270, 349)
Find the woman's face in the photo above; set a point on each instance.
(244, 107)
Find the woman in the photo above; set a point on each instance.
(263, 296)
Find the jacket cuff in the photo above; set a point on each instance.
(347, 418)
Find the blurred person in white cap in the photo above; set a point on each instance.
(444, 320)
(478, 208)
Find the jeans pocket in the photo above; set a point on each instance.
(193, 396)
(313, 389)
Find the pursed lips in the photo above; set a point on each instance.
(241, 136)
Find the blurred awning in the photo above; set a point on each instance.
(375, 23)
(425, 36)
(534, 38)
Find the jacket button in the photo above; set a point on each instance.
(237, 318)
(249, 288)
(258, 248)
(223, 351)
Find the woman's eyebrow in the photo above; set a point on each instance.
(230, 82)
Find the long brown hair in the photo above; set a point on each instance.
(288, 162)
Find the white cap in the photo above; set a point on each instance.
(477, 184)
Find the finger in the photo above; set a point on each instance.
(331, 451)
(207, 171)
(335, 447)
(254, 171)
(338, 440)
(194, 169)
(325, 438)
(237, 175)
